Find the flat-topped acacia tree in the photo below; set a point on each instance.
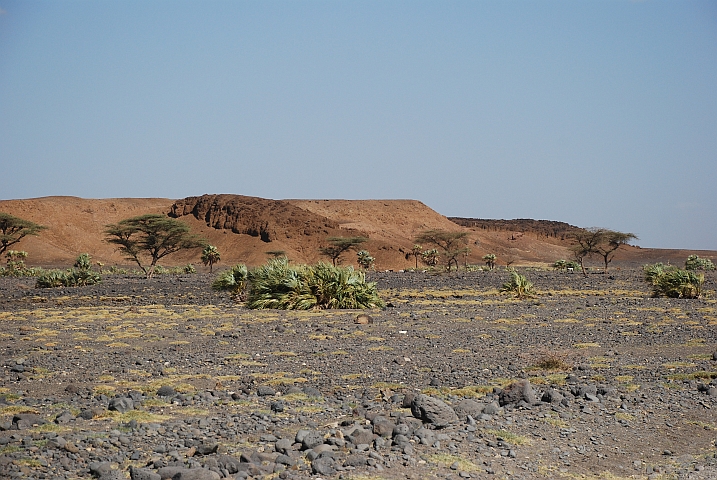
(452, 243)
(152, 236)
(339, 245)
(13, 229)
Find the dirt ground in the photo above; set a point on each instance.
(623, 385)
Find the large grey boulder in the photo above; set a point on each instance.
(516, 392)
(121, 404)
(468, 407)
(432, 410)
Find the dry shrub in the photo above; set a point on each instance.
(554, 360)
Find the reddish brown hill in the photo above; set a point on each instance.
(246, 228)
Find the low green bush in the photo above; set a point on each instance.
(564, 265)
(15, 266)
(79, 276)
(672, 282)
(694, 262)
(160, 270)
(518, 285)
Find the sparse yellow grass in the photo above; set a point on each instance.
(284, 354)
(624, 416)
(553, 379)
(339, 352)
(704, 425)
(15, 409)
(447, 460)
(380, 348)
(701, 356)
(320, 337)
(692, 376)
(277, 378)
(508, 437)
(624, 378)
(388, 386)
(555, 421)
(510, 321)
(587, 345)
(679, 364)
(104, 390)
(251, 363)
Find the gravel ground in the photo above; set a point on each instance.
(164, 378)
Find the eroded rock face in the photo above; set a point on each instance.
(433, 410)
(258, 217)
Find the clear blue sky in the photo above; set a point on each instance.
(597, 113)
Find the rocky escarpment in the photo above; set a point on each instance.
(267, 219)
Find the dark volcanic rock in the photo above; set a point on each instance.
(433, 410)
(518, 391)
(468, 407)
(121, 404)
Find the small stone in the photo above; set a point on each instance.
(206, 448)
(363, 319)
(355, 461)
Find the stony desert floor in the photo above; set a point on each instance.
(164, 378)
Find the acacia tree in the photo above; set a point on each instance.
(152, 235)
(610, 241)
(586, 242)
(14, 229)
(598, 241)
(210, 256)
(452, 243)
(339, 245)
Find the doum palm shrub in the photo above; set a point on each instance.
(694, 262)
(672, 282)
(233, 281)
(518, 285)
(79, 276)
(277, 284)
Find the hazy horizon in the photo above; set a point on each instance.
(597, 114)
